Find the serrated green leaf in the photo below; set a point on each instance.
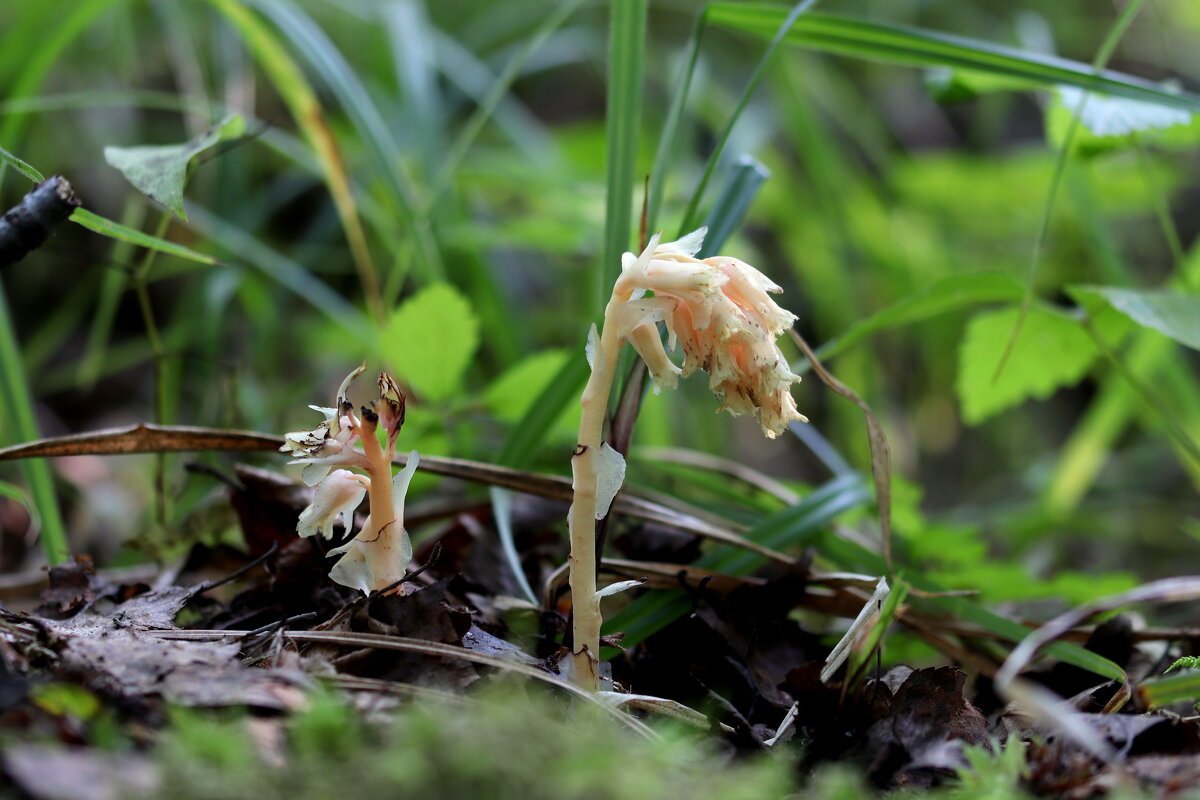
(160, 172)
(1119, 116)
(1108, 123)
(1053, 350)
(1172, 314)
(430, 340)
(511, 395)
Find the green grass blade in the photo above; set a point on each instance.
(925, 48)
(302, 102)
(790, 529)
(1124, 20)
(487, 106)
(940, 297)
(284, 271)
(20, 166)
(73, 21)
(115, 230)
(785, 26)
(119, 98)
(1184, 686)
(626, 56)
(18, 410)
(523, 441)
(386, 159)
(852, 556)
(668, 140)
(107, 300)
(732, 204)
(627, 38)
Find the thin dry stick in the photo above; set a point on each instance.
(146, 438)
(881, 458)
(423, 647)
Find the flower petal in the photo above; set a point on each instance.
(686, 246)
(337, 496)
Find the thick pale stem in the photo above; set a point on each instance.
(383, 511)
(585, 606)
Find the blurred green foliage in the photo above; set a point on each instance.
(430, 187)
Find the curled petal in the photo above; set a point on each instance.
(638, 264)
(345, 387)
(748, 289)
(352, 568)
(336, 498)
(390, 406)
(648, 344)
(686, 246)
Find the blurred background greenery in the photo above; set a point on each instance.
(472, 142)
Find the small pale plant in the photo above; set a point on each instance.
(719, 310)
(336, 454)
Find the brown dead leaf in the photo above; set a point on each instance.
(424, 615)
(920, 741)
(54, 773)
(115, 654)
(74, 585)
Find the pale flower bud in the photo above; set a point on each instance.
(390, 406)
(337, 496)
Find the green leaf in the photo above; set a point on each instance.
(430, 341)
(523, 440)
(1172, 314)
(626, 57)
(949, 85)
(1110, 123)
(371, 126)
(1181, 687)
(115, 230)
(160, 172)
(744, 181)
(790, 529)
(20, 166)
(1052, 350)
(784, 25)
(941, 296)
(919, 47)
(510, 396)
(1119, 116)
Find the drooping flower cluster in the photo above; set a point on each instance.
(379, 555)
(721, 312)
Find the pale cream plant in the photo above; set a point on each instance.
(720, 312)
(379, 555)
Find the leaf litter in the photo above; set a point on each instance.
(741, 663)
